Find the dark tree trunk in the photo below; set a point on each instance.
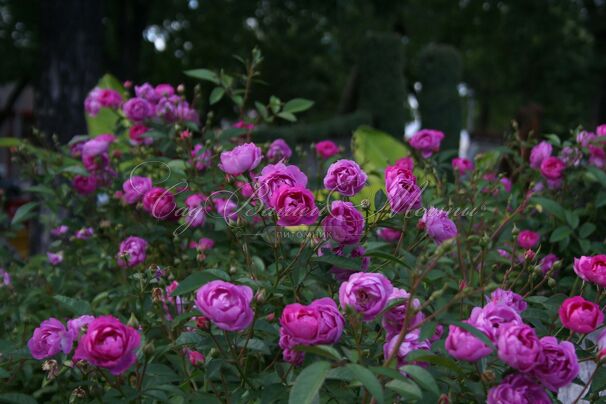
(131, 21)
(71, 40)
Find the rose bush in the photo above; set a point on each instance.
(189, 261)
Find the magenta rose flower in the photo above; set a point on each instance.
(5, 278)
(552, 168)
(164, 90)
(241, 159)
(366, 293)
(160, 203)
(580, 315)
(601, 344)
(109, 344)
(278, 150)
(410, 343)
(226, 208)
(591, 269)
(135, 134)
(462, 165)
(289, 354)
(539, 153)
(94, 152)
(403, 193)
(547, 262)
(387, 234)
(345, 177)
(519, 347)
(77, 326)
(294, 206)
(528, 239)
(597, 156)
(132, 252)
(274, 177)
(138, 109)
(135, 188)
(55, 258)
(518, 389)
(147, 92)
(318, 323)
(344, 224)
(560, 364)
(464, 346)
(225, 304)
(101, 98)
(49, 338)
(437, 225)
(84, 185)
(200, 157)
(509, 298)
(427, 141)
(584, 138)
(59, 230)
(492, 318)
(405, 163)
(196, 214)
(84, 233)
(393, 319)
(326, 149)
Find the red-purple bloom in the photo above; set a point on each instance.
(318, 323)
(539, 153)
(278, 151)
(462, 165)
(55, 258)
(50, 338)
(393, 319)
(552, 168)
(365, 293)
(135, 134)
(492, 318)
(84, 185)
(388, 234)
(427, 141)
(59, 230)
(78, 325)
(518, 389)
(344, 224)
(241, 159)
(194, 357)
(295, 205)
(326, 149)
(225, 304)
(464, 346)
(109, 344)
(84, 233)
(135, 188)
(560, 364)
(410, 343)
(345, 177)
(101, 98)
(528, 239)
(160, 203)
(437, 225)
(547, 262)
(597, 156)
(403, 193)
(580, 315)
(519, 347)
(276, 176)
(138, 109)
(196, 215)
(200, 157)
(584, 138)
(226, 208)
(132, 252)
(591, 269)
(509, 298)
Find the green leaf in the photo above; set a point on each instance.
(76, 306)
(216, 95)
(287, 116)
(572, 219)
(4, 374)
(369, 380)
(297, 105)
(476, 333)
(203, 74)
(551, 206)
(560, 234)
(10, 142)
(105, 121)
(598, 174)
(255, 344)
(407, 389)
(422, 377)
(17, 398)
(353, 263)
(389, 257)
(427, 330)
(554, 139)
(193, 282)
(23, 213)
(586, 229)
(262, 109)
(308, 383)
(326, 351)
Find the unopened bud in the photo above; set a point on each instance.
(149, 348)
(365, 204)
(79, 392)
(156, 295)
(260, 297)
(51, 368)
(515, 231)
(443, 399)
(551, 282)
(233, 270)
(202, 323)
(181, 88)
(271, 317)
(133, 321)
(488, 376)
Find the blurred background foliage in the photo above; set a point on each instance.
(515, 54)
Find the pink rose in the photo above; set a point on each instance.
(427, 141)
(200, 158)
(393, 319)
(84, 185)
(164, 90)
(560, 364)
(403, 193)
(462, 165)
(597, 156)
(274, 177)
(344, 224)
(49, 338)
(406, 163)
(493, 318)
(528, 239)
(241, 159)
(601, 130)
(135, 134)
(464, 346)
(101, 98)
(194, 357)
(132, 252)
(388, 234)
(326, 149)
(584, 138)
(225, 304)
(160, 203)
(519, 347)
(410, 343)
(580, 315)
(539, 153)
(437, 225)
(509, 298)
(135, 188)
(591, 269)
(552, 168)
(196, 214)
(294, 206)
(345, 177)
(109, 344)
(226, 208)
(55, 258)
(547, 262)
(78, 325)
(278, 150)
(365, 293)
(518, 389)
(318, 323)
(138, 109)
